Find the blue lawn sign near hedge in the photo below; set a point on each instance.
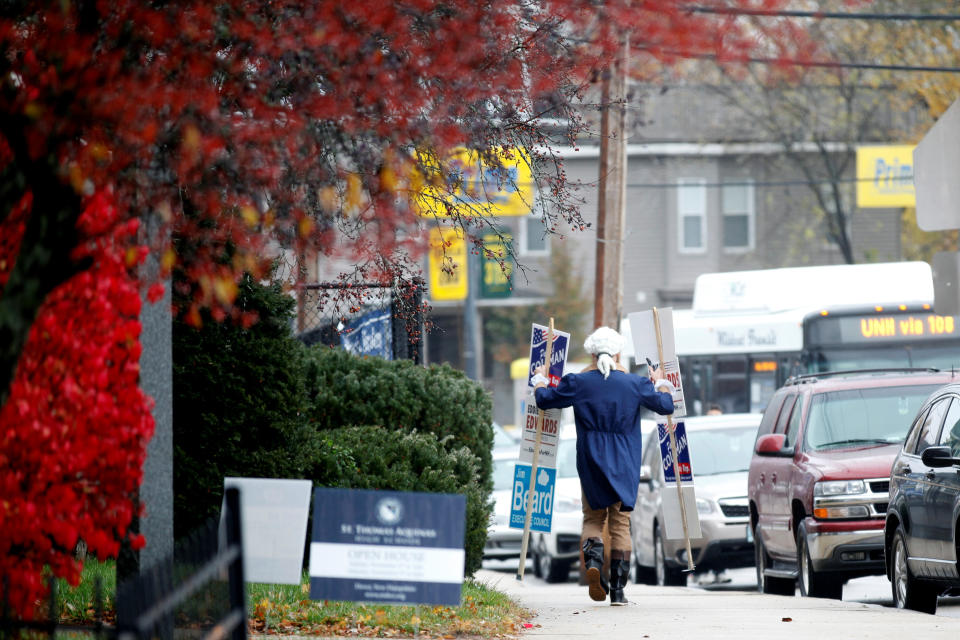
(390, 547)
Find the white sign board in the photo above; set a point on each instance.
(273, 520)
(672, 518)
(936, 162)
(548, 436)
(645, 350)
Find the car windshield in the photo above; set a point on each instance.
(503, 473)
(567, 458)
(853, 417)
(716, 451)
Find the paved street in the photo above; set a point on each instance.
(731, 610)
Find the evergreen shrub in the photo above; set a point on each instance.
(238, 402)
(369, 457)
(347, 390)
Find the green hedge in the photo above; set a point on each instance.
(376, 458)
(238, 398)
(348, 390)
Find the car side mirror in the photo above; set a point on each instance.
(645, 474)
(938, 457)
(770, 444)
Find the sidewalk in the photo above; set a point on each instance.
(565, 612)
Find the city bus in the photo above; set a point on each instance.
(748, 331)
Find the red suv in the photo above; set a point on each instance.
(820, 475)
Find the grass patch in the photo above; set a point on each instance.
(77, 604)
(287, 609)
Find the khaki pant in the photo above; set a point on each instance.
(618, 524)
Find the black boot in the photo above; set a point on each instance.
(619, 575)
(593, 559)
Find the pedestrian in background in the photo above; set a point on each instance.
(606, 402)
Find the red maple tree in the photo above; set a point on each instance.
(230, 126)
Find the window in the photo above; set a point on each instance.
(930, 429)
(794, 427)
(737, 203)
(534, 239)
(950, 435)
(692, 215)
(858, 417)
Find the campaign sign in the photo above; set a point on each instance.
(390, 547)
(669, 500)
(542, 497)
(548, 436)
(644, 335)
(538, 353)
(683, 453)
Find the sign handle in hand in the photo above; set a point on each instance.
(533, 465)
(673, 452)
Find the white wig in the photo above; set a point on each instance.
(604, 343)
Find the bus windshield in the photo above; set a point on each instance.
(938, 357)
(858, 417)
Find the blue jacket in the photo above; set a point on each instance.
(607, 414)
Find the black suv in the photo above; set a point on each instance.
(923, 519)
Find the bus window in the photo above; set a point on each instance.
(763, 381)
(731, 382)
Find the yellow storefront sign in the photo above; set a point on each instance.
(885, 176)
(448, 264)
(495, 185)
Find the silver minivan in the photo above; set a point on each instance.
(720, 448)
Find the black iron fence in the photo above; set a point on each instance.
(366, 318)
(197, 593)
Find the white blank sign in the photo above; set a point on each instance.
(273, 517)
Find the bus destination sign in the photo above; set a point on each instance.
(876, 328)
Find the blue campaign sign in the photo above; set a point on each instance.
(391, 547)
(683, 453)
(542, 497)
(538, 353)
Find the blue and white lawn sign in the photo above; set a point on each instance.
(542, 517)
(390, 547)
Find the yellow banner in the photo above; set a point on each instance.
(885, 176)
(448, 264)
(474, 182)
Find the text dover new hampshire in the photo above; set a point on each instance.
(387, 546)
(538, 353)
(645, 349)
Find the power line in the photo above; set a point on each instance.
(832, 15)
(830, 64)
(750, 183)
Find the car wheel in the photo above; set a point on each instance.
(536, 559)
(551, 569)
(908, 592)
(666, 576)
(814, 584)
(765, 583)
(644, 575)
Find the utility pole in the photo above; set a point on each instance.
(471, 323)
(612, 193)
